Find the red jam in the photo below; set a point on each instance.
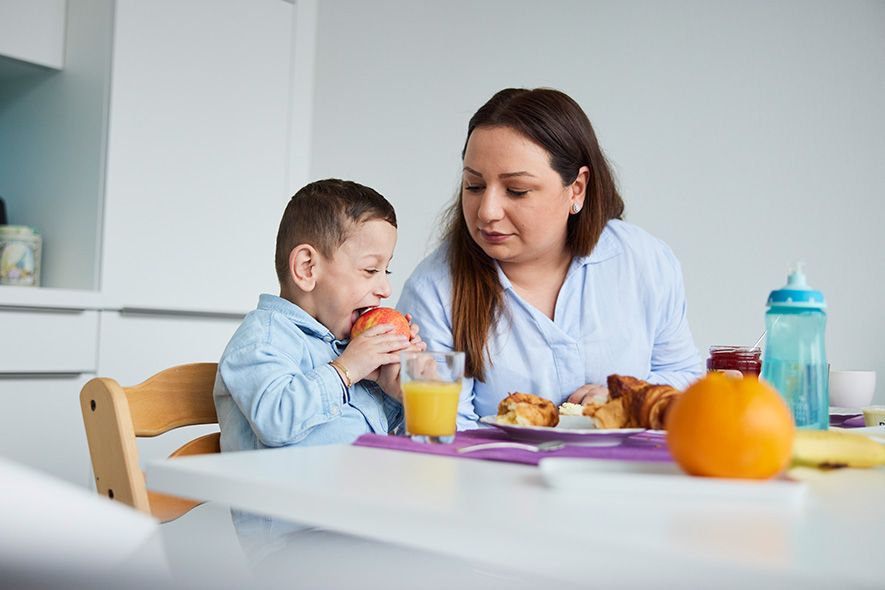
(735, 360)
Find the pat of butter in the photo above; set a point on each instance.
(874, 415)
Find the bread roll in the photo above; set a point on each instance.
(525, 409)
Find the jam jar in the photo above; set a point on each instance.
(735, 360)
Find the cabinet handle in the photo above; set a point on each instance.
(181, 313)
(46, 375)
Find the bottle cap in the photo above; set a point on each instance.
(797, 293)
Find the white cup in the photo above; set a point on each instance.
(852, 389)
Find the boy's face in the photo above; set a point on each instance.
(355, 277)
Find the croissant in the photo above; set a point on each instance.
(633, 403)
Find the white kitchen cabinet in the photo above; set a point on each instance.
(53, 127)
(48, 341)
(47, 354)
(41, 425)
(136, 346)
(157, 164)
(33, 31)
(197, 161)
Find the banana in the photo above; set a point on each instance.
(830, 449)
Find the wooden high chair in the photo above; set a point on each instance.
(114, 416)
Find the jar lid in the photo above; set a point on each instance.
(736, 350)
(19, 230)
(796, 293)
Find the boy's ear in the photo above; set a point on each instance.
(303, 266)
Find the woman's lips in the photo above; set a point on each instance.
(493, 237)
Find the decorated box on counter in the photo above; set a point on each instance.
(20, 251)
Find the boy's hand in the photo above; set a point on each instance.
(374, 348)
(415, 343)
(387, 376)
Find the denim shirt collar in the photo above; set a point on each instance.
(299, 317)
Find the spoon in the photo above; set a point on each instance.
(764, 332)
(756, 345)
(550, 445)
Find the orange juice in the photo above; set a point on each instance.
(431, 407)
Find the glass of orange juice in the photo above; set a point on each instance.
(431, 383)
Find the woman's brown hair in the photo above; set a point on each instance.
(557, 123)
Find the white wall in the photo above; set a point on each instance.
(746, 134)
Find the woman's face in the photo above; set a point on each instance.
(514, 203)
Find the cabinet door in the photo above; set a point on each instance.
(41, 425)
(48, 341)
(197, 152)
(134, 347)
(33, 31)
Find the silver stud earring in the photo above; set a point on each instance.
(576, 207)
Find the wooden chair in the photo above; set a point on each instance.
(114, 416)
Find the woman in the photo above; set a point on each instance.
(537, 279)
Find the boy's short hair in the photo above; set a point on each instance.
(323, 213)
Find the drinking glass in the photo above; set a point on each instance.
(431, 383)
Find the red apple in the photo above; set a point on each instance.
(381, 315)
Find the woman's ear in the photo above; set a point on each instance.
(579, 188)
(303, 266)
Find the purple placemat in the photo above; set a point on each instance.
(642, 446)
(847, 421)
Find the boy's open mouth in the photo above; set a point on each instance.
(357, 313)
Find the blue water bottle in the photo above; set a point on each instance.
(795, 361)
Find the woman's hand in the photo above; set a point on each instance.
(586, 393)
(415, 342)
(388, 381)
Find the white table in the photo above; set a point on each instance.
(504, 514)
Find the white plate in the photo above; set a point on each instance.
(576, 429)
(877, 433)
(607, 476)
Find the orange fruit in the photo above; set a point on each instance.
(730, 427)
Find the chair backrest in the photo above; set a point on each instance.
(114, 416)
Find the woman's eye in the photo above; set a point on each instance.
(516, 193)
(473, 188)
(372, 271)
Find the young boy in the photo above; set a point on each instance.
(289, 375)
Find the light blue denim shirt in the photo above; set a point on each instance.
(274, 385)
(620, 310)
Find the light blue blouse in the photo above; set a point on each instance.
(274, 385)
(620, 310)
